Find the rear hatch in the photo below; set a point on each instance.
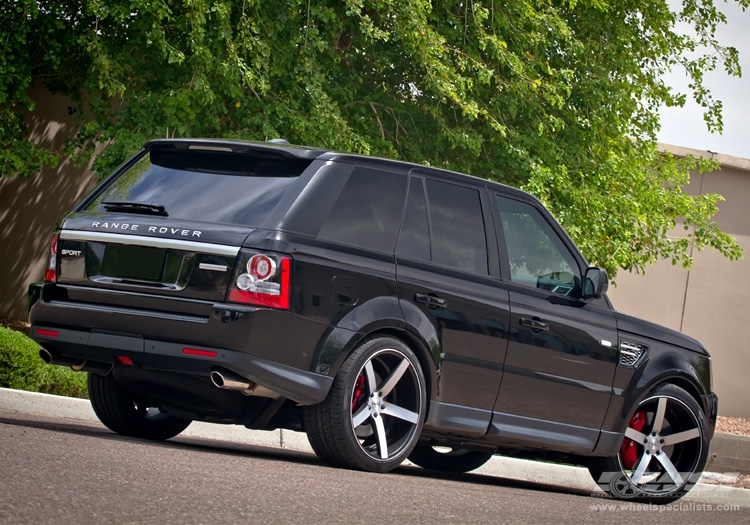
(171, 223)
(171, 257)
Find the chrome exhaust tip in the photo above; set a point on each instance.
(228, 380)
(78, 365)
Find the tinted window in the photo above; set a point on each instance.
(206, 186)
(368, 210)
(536, 253)
(414, 240)
(456, 227)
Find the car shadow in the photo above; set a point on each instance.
(269, 453)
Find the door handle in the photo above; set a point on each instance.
(432, 301)
(536, 325)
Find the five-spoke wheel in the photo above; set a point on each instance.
(663, 453)
(373, 415)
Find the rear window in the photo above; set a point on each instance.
(205, 186)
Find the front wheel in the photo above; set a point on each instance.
(374, 413)
(446, 459)
(663, 452)
(121, 411)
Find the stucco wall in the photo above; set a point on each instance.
(29, 207)
(711, 300)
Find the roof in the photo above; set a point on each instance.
(726, 161)
(237, 146)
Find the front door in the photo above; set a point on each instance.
(562, 354)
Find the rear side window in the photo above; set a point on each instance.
(367, 212)
(446, 228)
(206, 186)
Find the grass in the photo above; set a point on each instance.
(21, 368)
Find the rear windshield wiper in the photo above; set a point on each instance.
(136, 207)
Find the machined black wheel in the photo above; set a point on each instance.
(447, 459)
(663, 453)
(121, 411)
(374, 413)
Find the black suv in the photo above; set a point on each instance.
(389, 310)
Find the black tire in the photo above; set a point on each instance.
(373, 415)
(445, 459)
(321, 445)
(663, 453)
(122, 412)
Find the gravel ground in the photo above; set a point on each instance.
(733, 425)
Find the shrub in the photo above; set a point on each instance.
(21, 368)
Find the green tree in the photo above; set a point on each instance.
(560, 98)
(18, 156)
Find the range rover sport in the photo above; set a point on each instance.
(389, 310)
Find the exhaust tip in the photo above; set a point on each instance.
(45, 355)
(217, 379)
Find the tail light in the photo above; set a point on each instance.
(262, 279)
(50, 274)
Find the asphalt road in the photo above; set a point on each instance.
(65, 471)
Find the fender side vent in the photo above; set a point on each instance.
(630, 353)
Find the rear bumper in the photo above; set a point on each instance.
(183, 344)
(301, 386)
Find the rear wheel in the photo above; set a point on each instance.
(374, 413)
(121, 411)
(663, 452)
(447, 459)
(318, 438)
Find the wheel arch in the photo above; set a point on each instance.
(687, 386)
(417, 346)
(380, 316)
(665, 365)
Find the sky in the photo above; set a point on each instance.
(685, 126)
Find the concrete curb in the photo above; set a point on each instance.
(575, 478)
(729, 453)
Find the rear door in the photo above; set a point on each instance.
(562, 353)
(449, 291)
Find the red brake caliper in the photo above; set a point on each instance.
(358, 387)
(629, 449)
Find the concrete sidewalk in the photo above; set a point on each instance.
(575, 478)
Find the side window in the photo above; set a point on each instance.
(414, 239)
(367, 211)
(456, 227)
(537, 255)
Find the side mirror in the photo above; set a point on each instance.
(595, 282)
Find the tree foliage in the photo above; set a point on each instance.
(17, 154)
(560, 98)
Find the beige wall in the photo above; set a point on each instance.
(711, 301)
(29, 207)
